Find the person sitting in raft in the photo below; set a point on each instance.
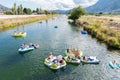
(50, 55)
(22, 32)
(23, 46)
(69, 51)
(31, 45)
(73, 50)
(36, 45)
(85, 58)
(26, 46)
(60, 59)
(70, 54)
(18, 32)
(77, 54)
(15, 32)
(116, 65)
(55, 64)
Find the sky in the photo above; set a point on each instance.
(49, 4)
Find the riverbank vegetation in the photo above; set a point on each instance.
(76, 13)
(22, 15)
(20, 10)
(105, 28)
(8, 23)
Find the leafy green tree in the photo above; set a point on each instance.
(41, 11)
(46, 12)
(18, 10)
(21, 9)
(100, 13)
(14, 10)
(27, 11)
(76, 13)
(38, 10)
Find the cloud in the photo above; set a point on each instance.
(85, 3)
(60, 4)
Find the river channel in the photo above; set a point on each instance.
(30, 66)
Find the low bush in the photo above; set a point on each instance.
(104, 34)
(113, 42)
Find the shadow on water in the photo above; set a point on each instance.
(53, 70)
(74, 27)
(18, 37)
(22, 53)
(73, 64)
(72, 23)
(90, 63)
(112, 49)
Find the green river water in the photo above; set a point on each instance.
(30, 66)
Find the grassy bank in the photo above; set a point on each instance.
(104, 29)
(8, 23)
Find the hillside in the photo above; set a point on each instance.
(105, 6)
(62, 11)
(3, 8)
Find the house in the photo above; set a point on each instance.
(1, 12)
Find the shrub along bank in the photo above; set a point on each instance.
(103, 33)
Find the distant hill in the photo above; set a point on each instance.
(105, 6)
(3, 8)
(62, 11)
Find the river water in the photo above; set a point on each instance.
(30, 66)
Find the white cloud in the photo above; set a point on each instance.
(85, 3)
(61, 4)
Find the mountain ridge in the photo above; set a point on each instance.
(105, 6)
(62, 11)
(3, 8)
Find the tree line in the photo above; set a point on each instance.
(20, 10)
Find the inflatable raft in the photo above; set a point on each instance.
(72, 60)
(22, 34)
(113, 66)
(90, 60)
(73, 57)
(53, 64)
(84, 32)
(21, 49)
